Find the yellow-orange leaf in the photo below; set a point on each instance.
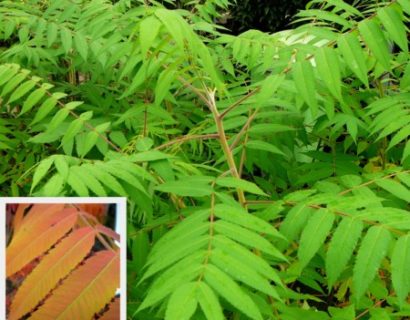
(107, 231)
(86, 219)
(19, 215)
(53, 267)
(113, 312)
(39, 218)
(38, 239)
(41, 212)
(85, 291)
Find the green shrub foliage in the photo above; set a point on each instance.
(267, 175)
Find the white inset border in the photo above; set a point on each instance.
(120, 228)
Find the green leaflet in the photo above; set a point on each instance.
(209, 302)
(248, 238)
(57, 119)
(124, 175)
(180, 273)
(294, 312)
(4, 69)
(106, 179)
(182, 34)
(240, 184)
(164, 83)
(91, 139)
(298, 196)
(207, 62)
(340, 4)
(149, 29)
(41, 170)
(400, 262)
(193, 230)
(73, 129)
(401, 135)
(329, 70)
(371, 252)
(229, 290)
(391, 124)
(81, 45)
(176, 26)
(327, 16)
(76, 183)
(242, 218)
(263, 146)
(60, 162)
(405, 4)
(46, 107)
(353, 55)
(186, 188)
(195, 219)
(387, 102)
(144, 144)
(374, 38)
(151, 155)
(118, 138)
(34, 98)
(268, 88)
(14, 82)
(295, 221)
(54, 186)
(8, 72)
(404, 177)
(395, 188)
(90, 181)
(347, 313)
(246, 257)
(179, 250)
(314, 235)
(140, 249)
(133, 169)
(182, 303)
(243, 273)
(66, 39)
(304, 77)
(393, 22)
(229, 124)
(379, 314)
(52, 32)
(269, 128)
(23, 89)
(138, 80)
(406, 152)
(405, 78)
(341, 247)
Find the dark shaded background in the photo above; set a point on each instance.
(264, 15)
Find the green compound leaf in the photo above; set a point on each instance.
(341, 248)
(182, 303)
(400, 263)
(314, 235)
(369, 257)
(231, 291)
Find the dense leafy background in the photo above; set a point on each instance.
(267, 174)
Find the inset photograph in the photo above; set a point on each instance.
(64, 258)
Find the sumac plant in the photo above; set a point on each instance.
(61, 263)
(267, 175)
